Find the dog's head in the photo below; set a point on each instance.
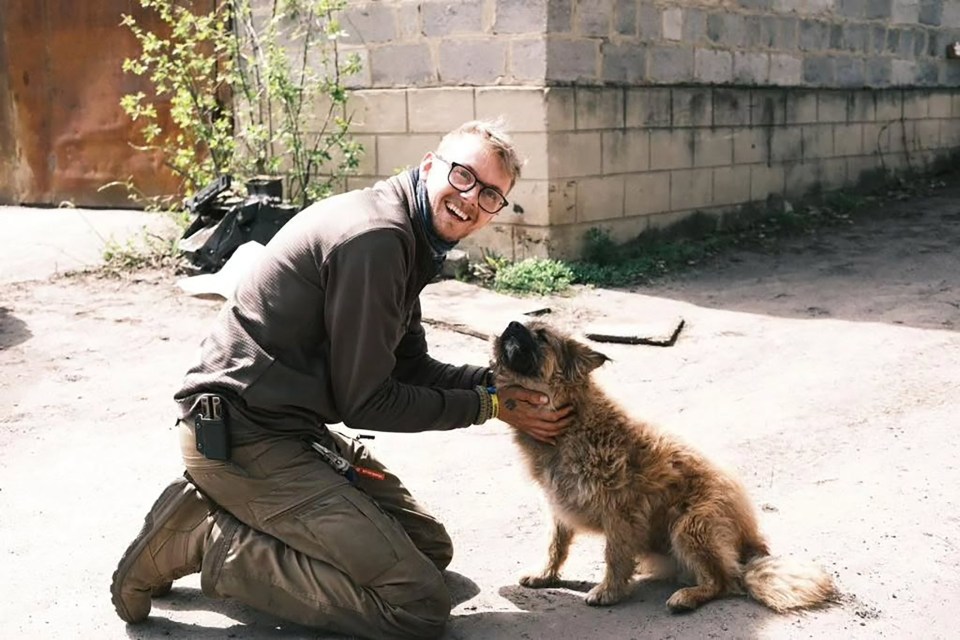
(537, 353)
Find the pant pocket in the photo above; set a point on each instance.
(348, 531)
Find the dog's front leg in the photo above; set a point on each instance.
(620, 555)
(559, 547)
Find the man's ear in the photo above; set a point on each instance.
(426, 164)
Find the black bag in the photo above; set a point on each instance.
(225, 221)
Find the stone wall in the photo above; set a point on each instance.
(634, 114)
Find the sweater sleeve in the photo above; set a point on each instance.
(416, 366)
(366, 283)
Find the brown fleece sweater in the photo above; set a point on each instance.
(326, 328)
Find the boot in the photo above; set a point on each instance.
(169, 546)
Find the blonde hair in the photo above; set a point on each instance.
(495, 138)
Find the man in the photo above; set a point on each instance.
(276, 510)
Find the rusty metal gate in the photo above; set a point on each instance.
(63, 135)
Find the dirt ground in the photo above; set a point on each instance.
(827, 375)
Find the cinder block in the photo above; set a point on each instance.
(832, 106)
(712, 66)
(785, 70)
(903, 72)
(850, 71)
(817, 141)
(529, 204)
(860, 106)
(856, 38)
(561, 108)
(691, 189)
(814, 35)
(574, 155)
(931, 12)
(409, 26)
(955, 101)
(625, 17)
(533, 149)
(563, 201)
(889, 105)
(765, 180)
(950, 133)
(477, 62)
(444, 19)
(670, 64)
(927, 134)
(648, 107)
(801, 107)
(517, 16)
(712, 147)
(848, 139)
(398, 152)
(626, 151)
(370, 24)
(878, 9)
(939, 105)
(625, 229)
(402, 65)
(818, 70)
(439, 110)
(594, 19)
(878, 39)
(879, 72)
(876, 138)
(751, 68)
(647, 193)
(573, 59)
(786, 144)
(731, 107)
(731, 185)
(768, 107)
(751, 145)
(672, 24)
(833, 173)
(692, 107)
(786, 38)
(916, 104)
(671, 148)
(623, 62)
(694, 26)
(650, 22)
(599, 108)
(524, 108)
(726, 29)
(599, 198)
(528, 60)
(378, 111)
(801, 178)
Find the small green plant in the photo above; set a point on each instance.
(149, 251)
(540, 276)
(246, 93)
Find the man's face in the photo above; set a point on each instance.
(457, 214)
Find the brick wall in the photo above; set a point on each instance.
(636, 113)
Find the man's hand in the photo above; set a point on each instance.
(524, 410)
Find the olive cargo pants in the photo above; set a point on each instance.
(312, 548)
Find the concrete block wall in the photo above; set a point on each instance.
(634, 114)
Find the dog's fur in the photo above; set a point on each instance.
(648, 494)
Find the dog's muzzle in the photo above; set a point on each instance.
(519, 350)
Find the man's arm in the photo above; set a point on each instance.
(416, 366)
(366, 281)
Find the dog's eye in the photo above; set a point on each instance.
(541, 335)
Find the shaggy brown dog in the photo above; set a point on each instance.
(649, 495)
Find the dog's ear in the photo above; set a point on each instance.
(580, 360)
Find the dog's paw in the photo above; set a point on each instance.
(539, 581)
(601, 596)
(683, 601)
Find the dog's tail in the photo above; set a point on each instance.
(783, 584)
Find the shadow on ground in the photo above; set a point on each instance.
(561, 612)
(13, 330)
(897, 264)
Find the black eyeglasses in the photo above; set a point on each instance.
(463, 179)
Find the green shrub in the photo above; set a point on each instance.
(534, 275)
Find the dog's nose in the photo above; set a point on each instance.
(514, 325)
